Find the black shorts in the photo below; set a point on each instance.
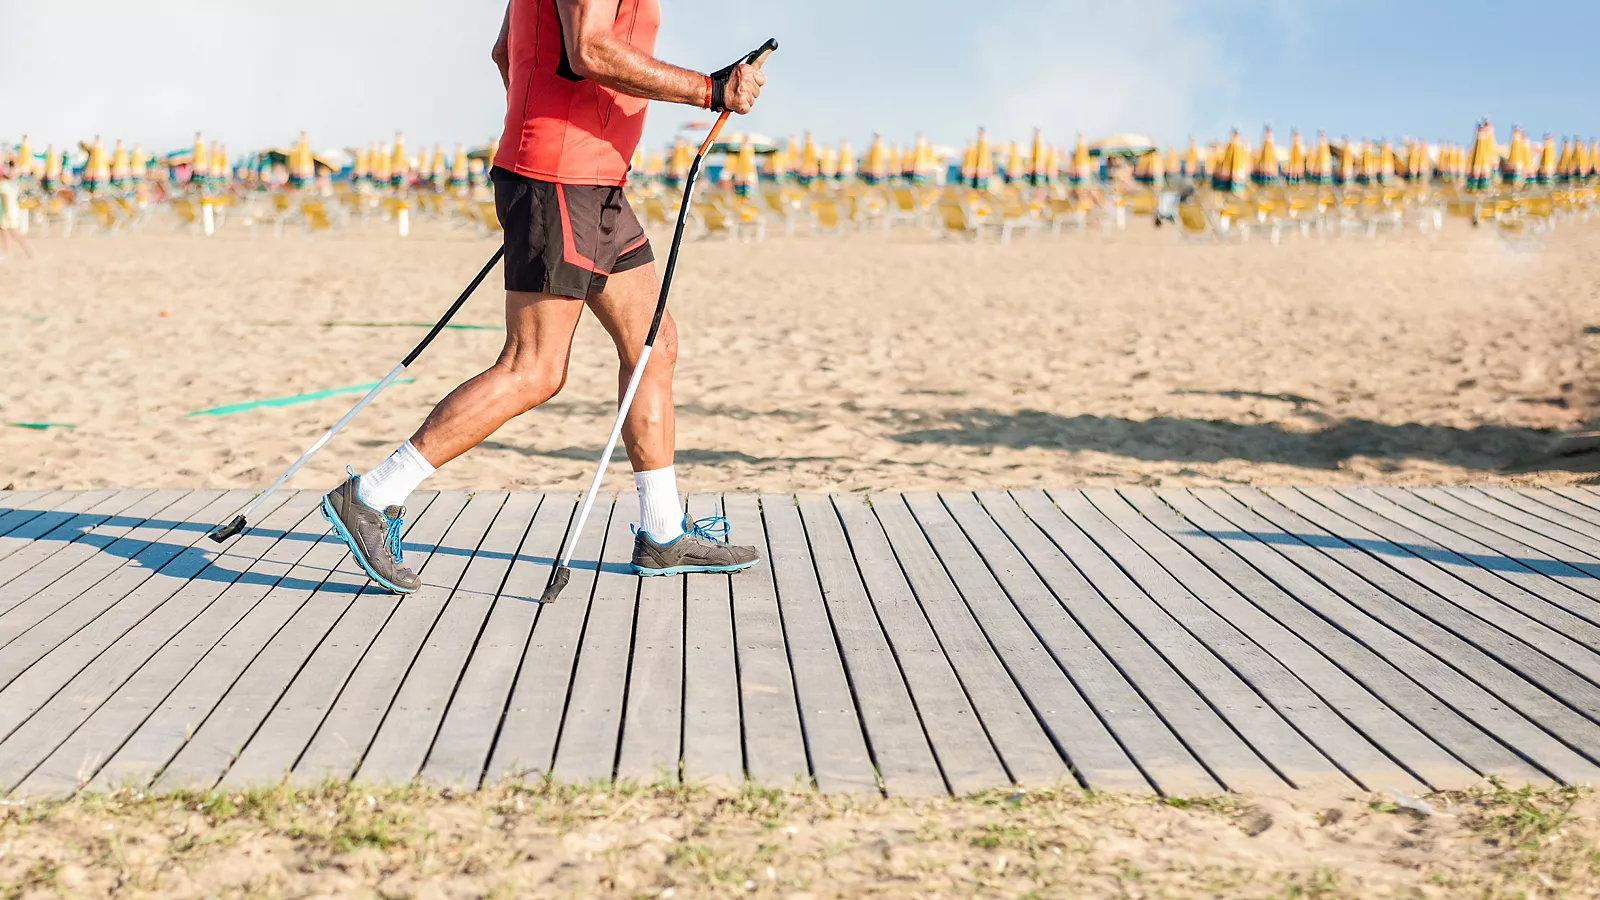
(565, 238)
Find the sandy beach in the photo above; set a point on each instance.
(854, 362)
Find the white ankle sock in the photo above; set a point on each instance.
(660, 511)
(395, 478)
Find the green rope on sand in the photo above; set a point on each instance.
(231, 408)
(40, 426)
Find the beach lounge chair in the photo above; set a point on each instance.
(188, 217)
(826, 215)
(780, 210)
(713, 221)
(314, 215)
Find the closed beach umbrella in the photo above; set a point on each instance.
(1265, 170)
(221, 172)
(1194, 163)
(847, 161)
(1173, 164)
(1546, 171)
(399, 165)
(360, 167)
(655, 165)
(1080, 167)
(983, 161)
(441, 168)
(1319, 165)
(1231, 171)
(875, 167)
(51, 180)
(810, 162)
(1387, 164)
(461, 168)
(1345, 173)
(1037, 160)
(678, 163)
(1295, 171)
(1514, 167)
(1588, 160)
(97, 170)
(121, 172)
(1366, 163)
(1484, 162)
(24, 164)
(302, 167)
(746, 170)
(1150, 169)
(1013, 168)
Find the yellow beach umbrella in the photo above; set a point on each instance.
(925, 165)
(1319, 164)
(1367, 163)
(746, 170)
(1588, 160)
(361, 166)
(1231, 171)
(1484, 162)
(655, 164)
(1514, 167)
(97, 170)
(302, 165)
(1172, 163)
(847, 161)
(1345, 173)
(24, 165)
(1387, 164)
(983, 161)
(221, 172)
(678, 164)
(875, 167)
(199, 162)
(52, 168)
(461, 167)
(1546, 171)
(810, 161)
(121, 173)
(1150, 169)
(1037, 160)
(1295, 171)
(399, 165)
(1080, 168)
(441, 168)
(1193, 163)
(1013, 167)
(1265, 170)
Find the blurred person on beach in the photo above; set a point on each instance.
(579, 76)
(11, 212)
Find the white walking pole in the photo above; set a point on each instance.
(562, 573)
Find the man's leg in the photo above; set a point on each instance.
(532, 367)
(661, 547)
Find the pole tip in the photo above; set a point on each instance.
(558, 582)
(233, 527)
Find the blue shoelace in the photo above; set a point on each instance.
(391, 536)
(712, 528)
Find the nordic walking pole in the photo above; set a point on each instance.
(562, 573)
(238, 523)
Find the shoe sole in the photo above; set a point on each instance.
(643, 572)
(355, 550)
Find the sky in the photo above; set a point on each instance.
(353, 71)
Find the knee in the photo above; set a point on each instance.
(664, 355)
(534, 382)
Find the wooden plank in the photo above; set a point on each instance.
(774, 745)
(1583, 495)
(1042, 585)
(1074, 729)
(460, 753)
(271, 752)
(1187, 710)
(895, 732)
(1334, 711)
(1011, 728)
(342, 742)
(24, 506)
(156, 654)
(1552, 507)
(1573, 544)
(196, 731)
(526, 744)
(1525, 548)
(85, 604)
(1247, 687)
(31, 545)
(1557, 497)
(1432, 523)
(1362, 610)
(50, 585)
(20, 513)
(137, 732)
(711, 735)
(590, 730)
(835, 731)
(402, 743)
(1534, 619)
(1445, 628)
(651, 743)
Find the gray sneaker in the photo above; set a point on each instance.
(373, 536)
(703, 547)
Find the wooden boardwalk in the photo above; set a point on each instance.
(1180, 641)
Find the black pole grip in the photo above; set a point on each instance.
(759, 55)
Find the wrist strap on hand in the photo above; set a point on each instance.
(719, 85)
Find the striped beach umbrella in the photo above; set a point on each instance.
(1483, 163)
(809, 163)
(138, 165)
(1514, 167)
(1150, 169)
(97, 169)
(1231, 171)
(1388, 164)
(1345, 171)
(876, 166)
(221, 172)
(1013, 171)
(746, 170)
(1080, 168)
(1265, 169)
(199, 163)
(848, 167)
(1419, 167)
(121, 172)
(399, 164)
(440, 173)
(1038, 159)
(360, 167)
(1294, 171)
(1319, 165)
(50, 180)
(302, 166)
(1194, 162)
(1545, 172)
(1366, 160)
(461, 168)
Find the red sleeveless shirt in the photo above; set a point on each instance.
(560, 127)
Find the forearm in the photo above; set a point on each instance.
(611, 62)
